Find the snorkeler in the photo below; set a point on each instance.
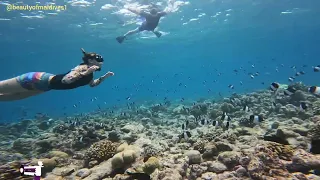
(34, 83)
(151, 22)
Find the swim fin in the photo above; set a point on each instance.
(157, 33)
(120, 39)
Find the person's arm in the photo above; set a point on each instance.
(163, 13)
(96, 82)
(77, 73)
(138, 12)
(89, 70)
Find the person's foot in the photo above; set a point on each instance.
(158, 34)
(120, 39)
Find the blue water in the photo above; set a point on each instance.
(256, 32)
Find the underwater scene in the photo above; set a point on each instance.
(160, 90)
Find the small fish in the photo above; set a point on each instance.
(185, 125)
(256, 74)
(225, 117)
(186, 109)
(76, 122)
(241, 83)
(252, 66)
(316, 68)
(204, 122)
(81, 139)
(289, 91)
(226, 124)
(300, 73)
(303, 106)
(49, 121)
(291, 79)
(314, 90)
(245, 108)
(185, 135)
(274, 86)
(257, 119)
(252, 76)
(231, 86)
(215, 123)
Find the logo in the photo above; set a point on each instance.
(34, 171)
(37, 7)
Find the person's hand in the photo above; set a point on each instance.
(109, 73)
(90, 70)
(93, 68)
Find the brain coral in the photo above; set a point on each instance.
(101, 151)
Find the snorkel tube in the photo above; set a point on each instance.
(83, 51)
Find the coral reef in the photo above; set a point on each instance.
(101, 151)
(146, 140)
(200, 145)
(151, 165)
(11, 171)
(264, 165)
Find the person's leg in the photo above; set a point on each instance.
(24, 86)
(157, 33)
(11, 86)
(18, 96)
(129, 33)
(120, 39)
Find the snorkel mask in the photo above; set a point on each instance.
(91, 55)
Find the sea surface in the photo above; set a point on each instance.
(203, 43)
